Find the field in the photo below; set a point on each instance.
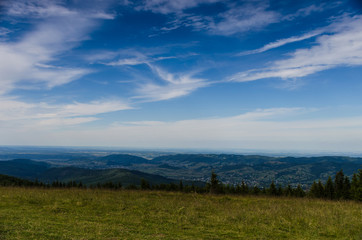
(27, 213)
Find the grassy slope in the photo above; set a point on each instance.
(103, 214)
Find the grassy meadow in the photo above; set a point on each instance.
(35, 213)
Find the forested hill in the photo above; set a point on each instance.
(231, 168)
(35, 170)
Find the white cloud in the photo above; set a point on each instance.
(18, 113)
(49, 8)
(342, 48)
(243, 19)
(240, 17)
(140, 59)
(303, 12)
(173, 86)
(237, 19)
(282, 42)
(4, 32)
(26, 62)
(175, 6)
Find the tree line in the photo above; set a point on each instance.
(340, 188)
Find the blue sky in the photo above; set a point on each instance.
(201, 74)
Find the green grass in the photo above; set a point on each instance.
(27, 213)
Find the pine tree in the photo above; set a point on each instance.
(346, 188)
(214, 183)
(181, 186)
(314, 191)
(256, 190)
(338, 184)
(288, 191)
(329, 189)
(299, 192)
(321, 192)
(356, 186)
(272, 189)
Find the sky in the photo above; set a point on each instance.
(184, 74)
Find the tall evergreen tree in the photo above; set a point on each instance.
(288, 191)
(256, 190)
(272, 189)
(338, 184)
(346, 188)
(181, 186)
(214, 183)
(299, 192)
(314, 191)
(321, 192)
(356, 186)
(329, 189)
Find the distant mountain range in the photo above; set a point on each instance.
(129, 169)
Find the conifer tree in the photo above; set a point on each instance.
(338, 184)
(214, 183)
(299, 192)
(329, 189)
(288, 191)
(356, 186)
(314, 191)
(256, 190)
(346, 188)
(181, 186)
(321, 192)
(272, 189)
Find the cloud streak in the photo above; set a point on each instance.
(173, 86)
(282, 42)
(342, 48)
(167, 7)
(22, 113)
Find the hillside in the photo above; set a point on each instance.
(27, 213)
(92, 177)
(24, 168)
(44, 172)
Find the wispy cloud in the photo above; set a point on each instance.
(341, 48)
(4, 32)
(50, 8)
(252, 15)
(239, 17)
(244, 18)
(282, 42)
(303, 12)
(167, 7)
(132, 57)
(173, 86)
(138, 60)
(31, 60)
(20, 112)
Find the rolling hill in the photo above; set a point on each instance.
(31, 170)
